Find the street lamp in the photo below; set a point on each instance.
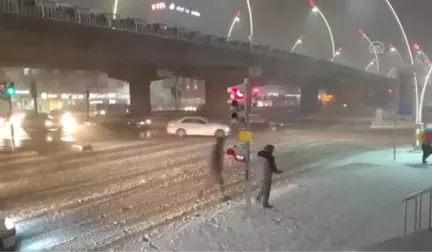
(423, 92)
(411, 61)
(337, 53)
(297, 43)
(236, 19)
(371, 63)
(365, 36)
(393, 49)
(420, 52)
(315, 9)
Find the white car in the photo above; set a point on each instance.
(7, 233)
(196, 126)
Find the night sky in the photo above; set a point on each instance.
(279, 23)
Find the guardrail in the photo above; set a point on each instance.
(73, 14)
(417, 198)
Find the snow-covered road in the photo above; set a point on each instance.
(121, 192)
(346, 205)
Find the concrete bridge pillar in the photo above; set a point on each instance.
(309, 103)
(139, 79)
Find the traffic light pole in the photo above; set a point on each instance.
(12, 131)
(248, 103)
(87, 105)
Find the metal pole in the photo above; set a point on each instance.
(395, 108)
(176, 82)
(33, 91)
(247, 146)
(12, 131)
(248, 104)
(87, 105)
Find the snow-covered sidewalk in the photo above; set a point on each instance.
(347, 205)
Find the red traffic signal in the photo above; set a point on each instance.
(237, 93)
(389, 91)
(232, 153)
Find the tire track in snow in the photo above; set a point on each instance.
(182, 186)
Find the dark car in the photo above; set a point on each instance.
(38, 132)
(126, 126)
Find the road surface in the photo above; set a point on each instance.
(121, 191)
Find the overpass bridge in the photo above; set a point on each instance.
(134, 50)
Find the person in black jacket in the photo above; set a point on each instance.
(216, 167)
(269, 167)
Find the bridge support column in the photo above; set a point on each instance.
(216, 97)
(309, 103)
(139, 79)
(139, 92)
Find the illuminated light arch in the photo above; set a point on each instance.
(236, 19)
(316, 9)
(298, 42)
(417, 109)
(422, 94)
(365, 36)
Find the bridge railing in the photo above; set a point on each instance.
(417, 198)
(67, 13)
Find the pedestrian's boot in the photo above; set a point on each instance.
(268, 206)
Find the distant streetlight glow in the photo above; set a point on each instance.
(315, 9)
(337, 53)
(411, 61)
(236, 19)
(365, 36)
(297, 43)
(393, 49)
(420, 52)
(370, 64)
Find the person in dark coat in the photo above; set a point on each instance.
(216, 167)
(269, 167)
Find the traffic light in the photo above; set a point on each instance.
(389, 91)
(237, 108)
(10, 89)
(2, 89)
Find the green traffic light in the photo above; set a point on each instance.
(11, 91)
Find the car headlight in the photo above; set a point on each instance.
(9, 224)
(227, 129)
(68, 122)
(148, 121)
(48, 123)
(16, 120)
(102, 112)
